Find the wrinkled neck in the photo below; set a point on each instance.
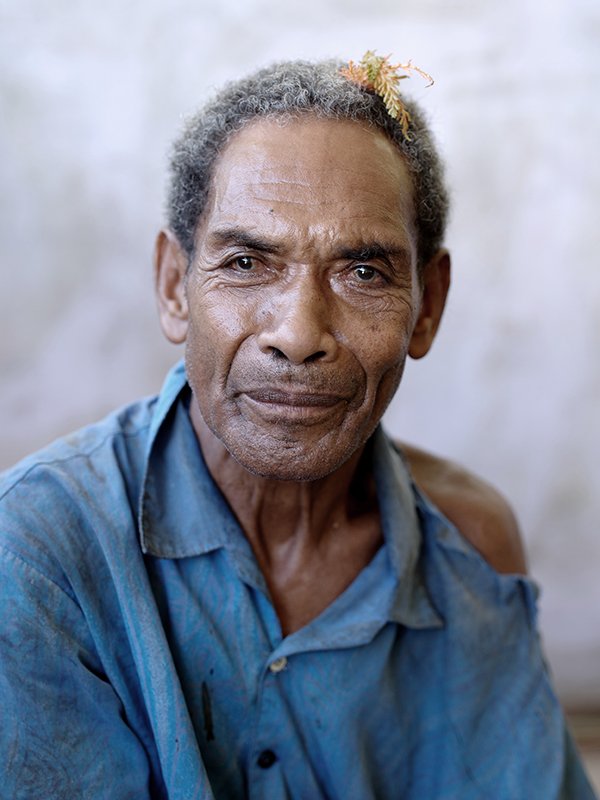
(272, 512)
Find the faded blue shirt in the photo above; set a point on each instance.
(141, 657)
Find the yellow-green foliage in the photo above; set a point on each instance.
(376, 74)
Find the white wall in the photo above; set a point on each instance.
(91, 94)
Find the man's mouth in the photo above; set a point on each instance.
(300, 399)
(289, 407)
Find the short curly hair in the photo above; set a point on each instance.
(285, 91)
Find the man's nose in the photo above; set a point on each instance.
(300, 325)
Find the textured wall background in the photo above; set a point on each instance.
(91, 95)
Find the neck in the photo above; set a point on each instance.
(273, 512)
(311, 539)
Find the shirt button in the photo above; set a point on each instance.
(266, 759)
(277, 665)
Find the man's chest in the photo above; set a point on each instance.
(351, 706)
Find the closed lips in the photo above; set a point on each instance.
(278, 397)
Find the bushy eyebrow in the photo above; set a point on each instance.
(237, 237)
(368, 251)
(372, 252)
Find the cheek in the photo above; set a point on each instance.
(217, 312)
(384, 352)
(385, 348)
(218, 326)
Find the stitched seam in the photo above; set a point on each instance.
(109, 436)
(38, 571)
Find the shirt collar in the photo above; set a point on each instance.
(182, 513)
(412, 606)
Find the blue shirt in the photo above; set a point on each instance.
(141, 657)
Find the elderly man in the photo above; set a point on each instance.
(235, 589)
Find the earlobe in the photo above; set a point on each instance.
(170, 266)
(436, 282)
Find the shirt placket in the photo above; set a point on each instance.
(277, 762)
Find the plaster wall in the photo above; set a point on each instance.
(92, 93)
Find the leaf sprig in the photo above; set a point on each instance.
(376, 74)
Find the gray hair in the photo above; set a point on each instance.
(285, 91)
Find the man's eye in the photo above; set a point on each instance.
(365, 274)
(244, 264)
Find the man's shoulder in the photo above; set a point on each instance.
(480, 513)
(58, 503)
(107, 440)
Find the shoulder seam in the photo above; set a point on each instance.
(87, 455)
(39, 572)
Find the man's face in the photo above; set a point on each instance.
(302, 294)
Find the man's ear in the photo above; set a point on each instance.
(170, 267)
(436, 282)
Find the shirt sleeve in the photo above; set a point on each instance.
(63, 733)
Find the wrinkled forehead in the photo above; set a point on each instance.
(312, 171)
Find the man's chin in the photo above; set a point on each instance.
(290, 461)
(300, 473)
